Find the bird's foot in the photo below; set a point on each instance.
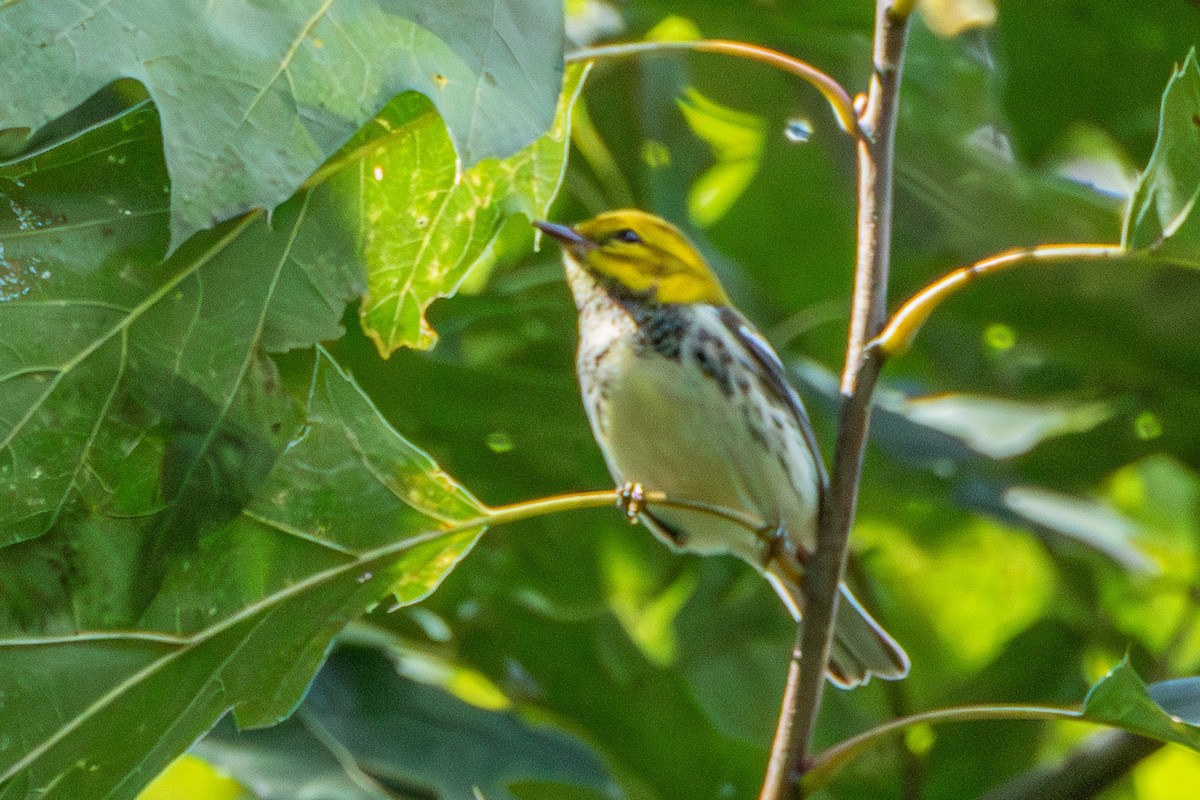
(779, 550)
(631, 499)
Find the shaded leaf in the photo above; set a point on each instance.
(362, 721)
(131, 384)
(1179, 697)
(350, 512)
(1090, 521)
(247, 118)
(135, 406)
(1160, 214)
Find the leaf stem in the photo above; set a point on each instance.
(595, 152)
(833, 92)
(904, 325)
(823, 575)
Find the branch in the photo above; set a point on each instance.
(904, 325)
(1093, 767)
(529, 509)
(823, 575)
(833, 92)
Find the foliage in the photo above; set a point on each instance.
(208, 472)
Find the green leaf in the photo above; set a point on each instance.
(994, 426)
(349, 512)
(1160, 212)
(361, 719)
(1121, 699)
(134, 404)
(431, 223)
(139, 388)
(255, 96)
(736, 139)
(189, 778)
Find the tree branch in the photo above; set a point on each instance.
(1093, 767)
(902, 328)
(823, 575)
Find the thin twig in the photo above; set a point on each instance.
(823, 575)
(902, 328)
(833, 92)
(528, 509)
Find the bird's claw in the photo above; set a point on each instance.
(631, 499)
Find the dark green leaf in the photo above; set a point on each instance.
(350, 512)
(114, 371)
(1123, 700)
(362, 720)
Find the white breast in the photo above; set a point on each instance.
(669, 427)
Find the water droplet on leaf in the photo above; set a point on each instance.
(798, 130)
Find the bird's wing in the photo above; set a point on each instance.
(762, 352)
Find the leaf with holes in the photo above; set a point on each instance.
(430, 222)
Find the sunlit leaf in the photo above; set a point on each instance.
(736, 139)
(191, 778)
(431, 221)
(247, 118)
(976, 589)
(1160, 776)
(350, 512)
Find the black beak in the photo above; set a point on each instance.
(565, 234)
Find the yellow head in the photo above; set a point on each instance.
(642, 253)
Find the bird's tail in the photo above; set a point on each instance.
(861, 647)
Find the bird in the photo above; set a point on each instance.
(684, 396)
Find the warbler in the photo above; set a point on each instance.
(684, 396)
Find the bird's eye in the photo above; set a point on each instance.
(627, 235)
